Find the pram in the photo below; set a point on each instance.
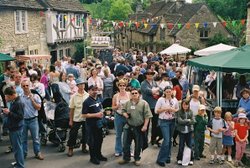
(57, 113)
(108, 116)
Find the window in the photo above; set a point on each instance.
(36, 51)
(204, 33)
(62, 21)
(67, 52)
(162, 34)
(21, 20)
(78, 20)
(60, 54)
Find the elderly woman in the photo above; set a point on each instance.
(119, 99)
(64, 87)
(108, 84)
(245, 101)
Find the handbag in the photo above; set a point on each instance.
(186, 156)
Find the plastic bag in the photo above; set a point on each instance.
(186, 156)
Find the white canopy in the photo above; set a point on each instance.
(213, 49)
(175, 49)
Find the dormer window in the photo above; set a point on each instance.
(21, 21)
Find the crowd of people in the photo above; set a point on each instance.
(151, 95)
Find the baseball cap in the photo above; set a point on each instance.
(92, 87)
(80, 81)
(202, 107)
(196, 87)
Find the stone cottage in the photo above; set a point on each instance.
(41, 27)
(169, 21)
(22, 28)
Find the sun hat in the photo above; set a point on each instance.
(242, 115)
(80, 81)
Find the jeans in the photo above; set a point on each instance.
(16, 142)
(33, 126)
(185, 138)
(119, 123)
(74, 132)
(129, 134)
(167, 129)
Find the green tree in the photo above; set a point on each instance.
(119, 10)
(79, 54)
(218, 38)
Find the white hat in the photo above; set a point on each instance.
(242, 115)
(196, 87)
(202, 107)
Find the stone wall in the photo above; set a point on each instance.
(35, 38)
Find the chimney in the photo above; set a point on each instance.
(248, 24)
(179, 3)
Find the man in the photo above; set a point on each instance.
(183, 81)
(32, 105)
(137, 112)
(150, 91)
(93, 112)
(76, 120)
(72, 69)
(15, 124)
(17, 80)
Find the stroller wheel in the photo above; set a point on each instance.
(61, 148)
(43, 141)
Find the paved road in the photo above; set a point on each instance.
(54, 159)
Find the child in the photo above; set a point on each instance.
(241, 134)
(72, 84)
(216, 127)
(227, 140)
(199, 132)
(185, 128)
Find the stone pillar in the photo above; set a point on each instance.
(248, 24)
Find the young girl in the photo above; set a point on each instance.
(227, 140)
(241, 134)
(185, 127)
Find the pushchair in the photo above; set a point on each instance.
(108, 116)
(57, 113)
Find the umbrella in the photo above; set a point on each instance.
(5, 57)
(213, 49)
(175, 49)
(235, 60)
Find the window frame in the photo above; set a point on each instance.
(62, 22)
(21, 21)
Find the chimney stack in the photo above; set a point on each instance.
(248, 24)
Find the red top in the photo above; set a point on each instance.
(241, 131)
(178, 92)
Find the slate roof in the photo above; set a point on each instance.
(64, 5)
(171, 14)
(21, 4)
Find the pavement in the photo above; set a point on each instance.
(55, 159)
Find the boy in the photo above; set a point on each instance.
(199, 132)
(216, 126)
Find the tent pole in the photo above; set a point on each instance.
(219, 88)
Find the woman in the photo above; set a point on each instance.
(108, 84)
(45, 81)
(64, 87)
(245, 101)
(53, 74)
(119, 99)
(96, 80)
(177, 88)
(166, 107)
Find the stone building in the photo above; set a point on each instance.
(22, 28)
(167, 24)
(41, 27)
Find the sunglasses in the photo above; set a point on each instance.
(134, 93)
(25, 85)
